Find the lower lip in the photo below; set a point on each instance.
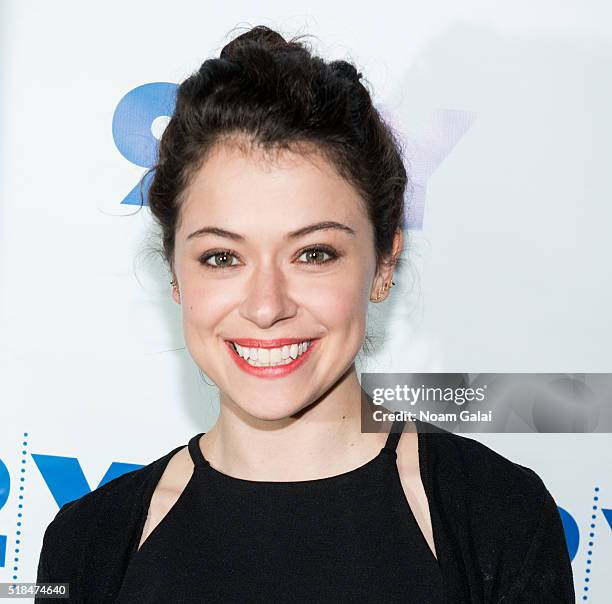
(270, 372)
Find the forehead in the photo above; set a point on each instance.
(261, 189)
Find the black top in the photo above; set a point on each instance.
(345, 538)
(497, 530)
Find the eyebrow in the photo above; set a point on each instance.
(318, 226)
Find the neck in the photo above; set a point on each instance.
(322, 440)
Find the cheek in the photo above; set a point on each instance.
(341, 304)
(202, 314)
(203, 310)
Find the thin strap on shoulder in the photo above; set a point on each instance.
(196, 453)
(394, 435)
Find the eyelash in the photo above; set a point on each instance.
(334, 255)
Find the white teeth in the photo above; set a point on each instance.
(259, 357)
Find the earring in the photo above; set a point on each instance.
(175, 286)
(380, 293)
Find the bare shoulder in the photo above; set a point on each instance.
(100, 520)
(410, 476)
(168, 490)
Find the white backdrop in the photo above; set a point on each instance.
(506, 108)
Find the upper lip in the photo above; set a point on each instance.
(254, 343)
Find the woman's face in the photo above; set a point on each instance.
(258, 278)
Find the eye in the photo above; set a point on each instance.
(224, 256)
(315, 254)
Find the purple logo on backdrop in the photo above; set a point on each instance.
(425, 148)
(142, 113)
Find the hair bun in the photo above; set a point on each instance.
(276, 93)
(260, 35)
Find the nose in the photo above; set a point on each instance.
(266, 298)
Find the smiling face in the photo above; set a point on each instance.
(273, 279)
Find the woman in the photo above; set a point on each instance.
(279, 193)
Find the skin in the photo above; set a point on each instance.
(307, 424)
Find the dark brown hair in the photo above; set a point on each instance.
(277, 94)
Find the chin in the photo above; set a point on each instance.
(272, 412)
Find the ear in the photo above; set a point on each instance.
(382, 282)
(175, 291)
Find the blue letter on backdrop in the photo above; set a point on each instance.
(132, 132)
